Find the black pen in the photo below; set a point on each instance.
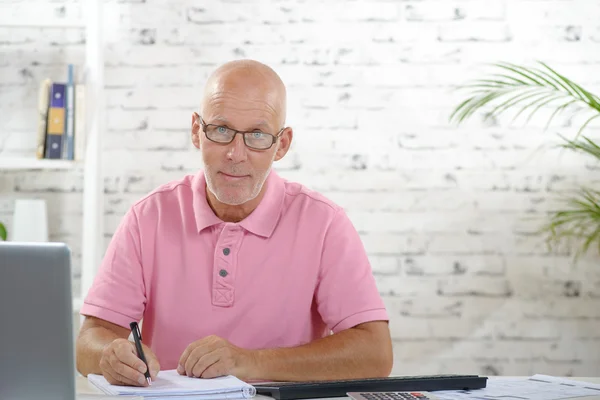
(137, 338)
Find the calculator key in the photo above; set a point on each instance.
(394, 396)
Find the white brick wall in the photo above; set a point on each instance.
(447, 215)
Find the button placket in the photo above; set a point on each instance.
(224, 266)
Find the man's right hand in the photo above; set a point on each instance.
(120, 364)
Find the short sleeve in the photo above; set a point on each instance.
(346, 293)
(117, 293)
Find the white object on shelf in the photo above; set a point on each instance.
(77, 302)
(30, 23)
(27, 163)
(30, 221)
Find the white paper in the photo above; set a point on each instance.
(94, 396)
(537, 387)
(169, 384)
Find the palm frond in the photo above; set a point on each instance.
(592, 100)
(593, 117)
(584, 145)
(524, 89)
(578, 224)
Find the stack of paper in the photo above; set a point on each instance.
(169, 384)
(537, 387)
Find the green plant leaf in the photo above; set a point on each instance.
(584, 144)
(517, 99)
(543, 76)
(558, 79)
(519, 70)
(475, 103)
(514, 81)
(520, 96)
(586, 123)
(582, 93)
(524, 89)
(578, 223)
(460, 107)
(558, 111)
(3, 233)
(553, 97)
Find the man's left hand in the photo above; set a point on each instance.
(214, 356)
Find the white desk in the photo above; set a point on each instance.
(84, 387)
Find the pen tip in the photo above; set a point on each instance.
(149, 381)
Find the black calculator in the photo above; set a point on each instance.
(392, 396)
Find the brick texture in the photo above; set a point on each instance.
(447, 214)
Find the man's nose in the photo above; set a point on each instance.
(237, 149)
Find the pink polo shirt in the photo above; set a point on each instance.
(291, 272)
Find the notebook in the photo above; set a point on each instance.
(169, 384)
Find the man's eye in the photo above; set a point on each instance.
(257, 135)
(221, 129)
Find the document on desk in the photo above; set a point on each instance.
(170, 385)
(536, 387)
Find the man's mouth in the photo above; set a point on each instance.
(233, 177)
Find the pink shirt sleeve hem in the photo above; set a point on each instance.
(108, 315)
(378, 314)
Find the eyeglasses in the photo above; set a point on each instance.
(256, 139)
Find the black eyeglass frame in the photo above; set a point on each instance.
(243, 133)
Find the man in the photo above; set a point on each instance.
(236, 270)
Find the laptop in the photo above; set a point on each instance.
(36, 327)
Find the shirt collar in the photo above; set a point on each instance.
(262, 221)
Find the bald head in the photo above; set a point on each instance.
(247, 84)
(244, 96)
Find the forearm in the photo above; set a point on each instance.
(90, 345)
(353, 353)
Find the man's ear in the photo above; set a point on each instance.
(284, 143)
(196, 130)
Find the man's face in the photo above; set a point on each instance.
(235, 173)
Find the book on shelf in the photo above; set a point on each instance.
(61, 127)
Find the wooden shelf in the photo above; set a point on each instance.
(42, 24)
(32, 163)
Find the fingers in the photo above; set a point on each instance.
(215, 364)
(114, 378)
(183, 359)
(127, 355)
(203, 363)
(154, 367)
(152, 360)
(124, 369)
(195, 351)
(195, 355)
(215, 370)
(212, 357)
(120, 364)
